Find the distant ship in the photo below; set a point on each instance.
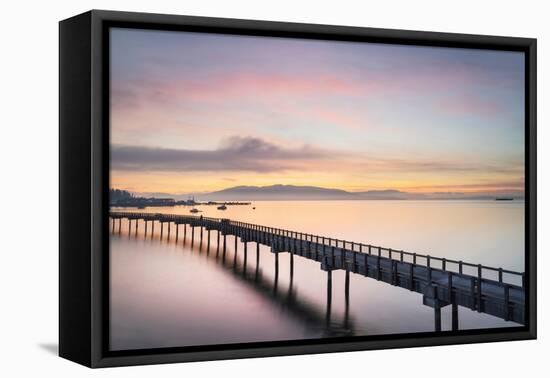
(193, 210)
(222, 207)
(504, 199)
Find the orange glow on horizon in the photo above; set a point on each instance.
(201, 182)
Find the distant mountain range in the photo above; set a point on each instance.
(293, 192)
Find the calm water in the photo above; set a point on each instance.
(166, 294)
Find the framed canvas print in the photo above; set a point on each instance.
(234, 188)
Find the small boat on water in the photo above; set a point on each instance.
(254, 208)
(504, 199)
(222, 207)
(193, 210)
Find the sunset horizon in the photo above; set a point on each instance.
(343, 115)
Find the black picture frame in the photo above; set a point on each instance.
(84, 177)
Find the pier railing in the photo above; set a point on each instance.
(444, 264)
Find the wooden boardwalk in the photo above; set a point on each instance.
(441, 281)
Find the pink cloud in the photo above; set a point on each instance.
(238, 85)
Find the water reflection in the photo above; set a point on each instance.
(288, 301)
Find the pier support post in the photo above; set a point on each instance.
(277, 263)
(145, 232)
(119, 225)
(129, 227)
(184, 232)
(152, 228)
(257, 273)
(169, 227)
(177, 231)
(245, 253)
(217, 242)
(208, 241)
(472, 293)
(276, 280)
(378, 267)
(479, 287)
(235, 244)
(506, 302)
(437, 318)
(161, 229)
(292, 263)
(192, 235)
(411, 277)
(346, 287)
(454, 316)
(113, 225)
(329, 297)
(346, 297)
(137, 222)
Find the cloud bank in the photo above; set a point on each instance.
(233, 154)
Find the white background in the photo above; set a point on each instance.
(29, 186)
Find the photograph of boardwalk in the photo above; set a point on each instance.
(275, 189)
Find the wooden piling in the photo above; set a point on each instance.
(506, 302)
(472, 293)
(329, 296)
(276, 263)
(291, 263)
(450, 286)
(437, 318)
(346, 299)
(411, 277)
(454, 316)
(245, 257)
(479, 287)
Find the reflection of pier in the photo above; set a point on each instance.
(441, 281)
(286, 299)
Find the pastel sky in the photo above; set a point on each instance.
(195, 112)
